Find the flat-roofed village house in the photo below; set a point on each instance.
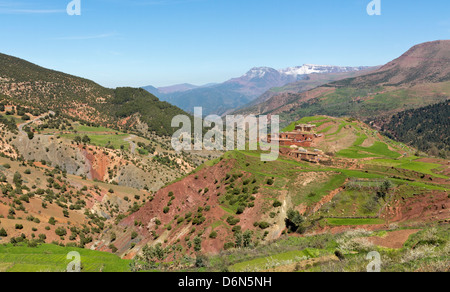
(302, 136)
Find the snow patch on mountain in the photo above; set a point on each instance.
(298, 71)
(260, 72)
(307, 69)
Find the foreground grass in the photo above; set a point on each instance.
(53, 258)
(427, 250)
(275, 260)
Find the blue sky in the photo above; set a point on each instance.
(164, 42)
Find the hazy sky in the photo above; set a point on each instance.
(164, 42)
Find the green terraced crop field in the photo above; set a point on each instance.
(351, 221)
(53, 258)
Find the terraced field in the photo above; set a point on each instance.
(370, 182)
(53, 258)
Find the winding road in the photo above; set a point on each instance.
(21, 126)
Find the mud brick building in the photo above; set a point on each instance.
(302, 136)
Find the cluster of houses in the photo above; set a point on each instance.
(302, 136)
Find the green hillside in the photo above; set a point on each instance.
(367, 103)
(22, 82)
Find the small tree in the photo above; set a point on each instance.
(264, 225)
(61, 231)
(240, 209)
(113, 248)
(239, 239)
(17, 179)
(277, 204)
(52, 221)
(247, 238)
(151, 255)
(77, 139)
(197, 244)
(86, 139)
(3, 232)
(294, 221)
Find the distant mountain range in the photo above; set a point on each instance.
(237, 92)
(174, 88)
(311, 81)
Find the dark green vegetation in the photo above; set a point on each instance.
(427, 128)
(155, 113)
(365, 103)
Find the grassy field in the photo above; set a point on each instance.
(409, 164)
(304, 120)
(312, 193)
(351, 221)
(53, 258)
(83, 129)
(264, 263)
(100, 136)
(351, 203)
(104, 140)
(378, 149)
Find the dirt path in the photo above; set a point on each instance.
(21, 126)
(394, 239)
(280, 225)
(132, 144)
(302, 265)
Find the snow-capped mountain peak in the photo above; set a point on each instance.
(296, 72)
(259, 72)
(307, 69)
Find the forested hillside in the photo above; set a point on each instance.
(22, 82)
(427, 128)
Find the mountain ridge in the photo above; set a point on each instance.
(417, 78)
(30, 84)
(237, 92)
